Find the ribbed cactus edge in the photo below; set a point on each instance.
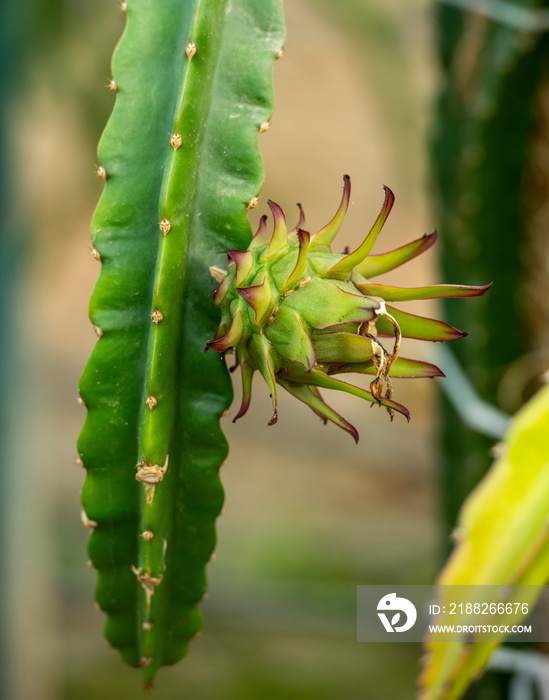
(181, 163)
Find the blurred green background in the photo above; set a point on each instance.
(309, 515)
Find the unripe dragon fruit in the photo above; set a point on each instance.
(299, 313)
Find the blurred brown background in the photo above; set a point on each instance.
(309, 515)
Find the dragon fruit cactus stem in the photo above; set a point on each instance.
(299, 313)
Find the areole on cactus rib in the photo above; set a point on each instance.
(299, 313)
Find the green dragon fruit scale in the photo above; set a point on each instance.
(299, 313)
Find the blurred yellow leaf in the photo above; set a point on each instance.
(502, 539)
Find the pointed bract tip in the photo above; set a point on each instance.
(278, 215)
(242, 412)
(279, 239)
(232, 336)
(303, 235)
(390, 195)
(326, 235)
(260, 236)
(244, 260)
(398, 407)
(210, 344)
(274, 418)
(276, 209)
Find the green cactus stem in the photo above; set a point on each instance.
(299, 313)
(181, 161)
